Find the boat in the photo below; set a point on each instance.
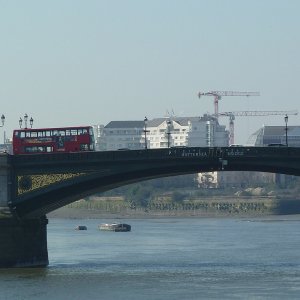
(117, 227)
(81, 227)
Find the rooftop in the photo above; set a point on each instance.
(125, 124)
(183, 121)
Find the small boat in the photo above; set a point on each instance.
(81, 227)
(117, 227)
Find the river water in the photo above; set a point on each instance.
(170, 258)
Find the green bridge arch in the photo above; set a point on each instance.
(44, 182)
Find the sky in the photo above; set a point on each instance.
(74, 62)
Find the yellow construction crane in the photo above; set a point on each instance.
(233, 114)
(219, 94)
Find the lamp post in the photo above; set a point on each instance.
(169, 132)
(25, 121)
(145, 131)
(31, 122)
(286, 119)
(2, 120)
(2, 124)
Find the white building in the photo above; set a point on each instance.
(187, 131)
(119, 135)
(164, 132)
(161, 133)
(98, 133)
(206, 132)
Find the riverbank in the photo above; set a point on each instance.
(210, 207)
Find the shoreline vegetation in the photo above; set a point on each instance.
(184, 196)
(226, 206)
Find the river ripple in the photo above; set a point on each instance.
(170, 258)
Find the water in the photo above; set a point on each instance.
(165, 259)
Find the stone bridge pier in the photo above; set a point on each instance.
(23, 242)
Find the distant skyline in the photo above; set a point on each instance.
(72, 62)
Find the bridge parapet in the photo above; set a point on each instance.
(213, 152)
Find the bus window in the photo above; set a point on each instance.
(79, 131)
(84, 147)
(22, 134)
(68, 132)
(36, 149)
(33, 134)
(49, 149)
(40, 133)
(30, 149)
(27, 133)
(54, 132)
(61, 133)
(85, 131)
(48, 133)
(73, 131)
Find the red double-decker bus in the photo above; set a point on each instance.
(53, 140)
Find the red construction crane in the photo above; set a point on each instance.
(233, 114)
(219, 94)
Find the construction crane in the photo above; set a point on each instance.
(219, 94)
(233, 114)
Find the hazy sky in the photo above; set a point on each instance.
(75, 62)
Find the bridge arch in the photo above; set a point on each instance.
(43, 183)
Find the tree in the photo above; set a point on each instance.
(177, 196)
(138, 195)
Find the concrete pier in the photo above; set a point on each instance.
(5, 172)
(23, 243)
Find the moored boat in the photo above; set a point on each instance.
(117, 227)
(81, 227)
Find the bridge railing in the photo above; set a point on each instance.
(187, 152)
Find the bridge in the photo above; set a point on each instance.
(34, 185)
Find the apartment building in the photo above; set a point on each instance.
(119, 135)
(207, 132)
(164, 132)
(161, 133)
